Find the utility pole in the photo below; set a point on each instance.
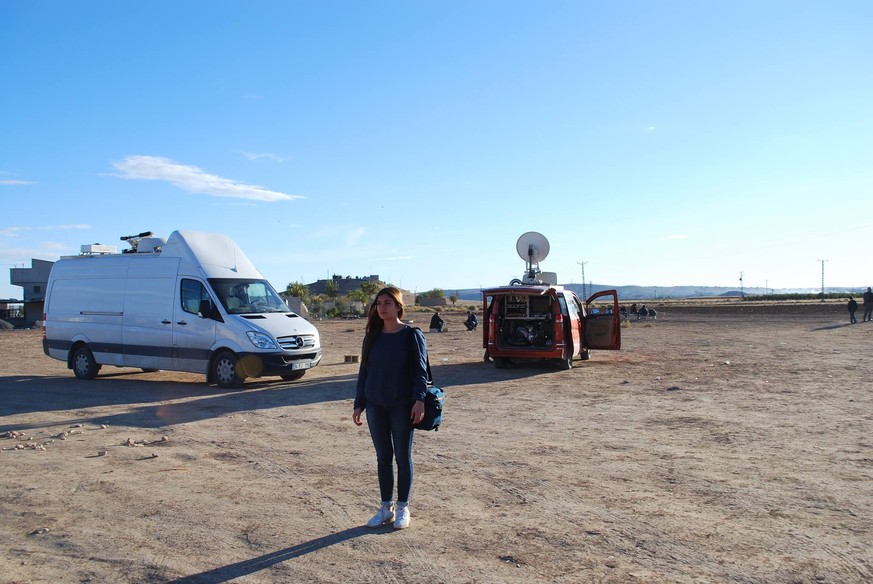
(742, 294)
(822, 279)
(584, 293)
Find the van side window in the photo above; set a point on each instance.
(192, 293)
(572, 310)
(562, 302)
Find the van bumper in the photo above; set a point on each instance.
(267, 364)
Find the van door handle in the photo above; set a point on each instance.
(182, 322)
(165, 321)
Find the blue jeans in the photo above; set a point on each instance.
(391, 430)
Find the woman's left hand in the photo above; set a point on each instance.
(417, 412)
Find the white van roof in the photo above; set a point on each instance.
(216, 254)
(213, 254)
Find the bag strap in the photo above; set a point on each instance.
(410, 339)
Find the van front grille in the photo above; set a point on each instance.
(296, 342)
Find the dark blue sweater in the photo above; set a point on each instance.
(390, 377)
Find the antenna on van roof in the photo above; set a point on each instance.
(133, 240)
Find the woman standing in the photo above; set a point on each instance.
(391, 387)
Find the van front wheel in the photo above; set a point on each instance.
(84, 365)
(224, 371)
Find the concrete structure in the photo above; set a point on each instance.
(295, 303)
(33, 280)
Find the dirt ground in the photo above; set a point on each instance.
(721, 444)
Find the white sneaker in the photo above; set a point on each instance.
(385, 515)
(402, 520)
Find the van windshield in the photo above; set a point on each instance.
(241, 296)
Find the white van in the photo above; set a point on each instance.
(191, 302)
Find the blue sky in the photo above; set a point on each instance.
(661, 143)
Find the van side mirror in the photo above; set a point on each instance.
(206, 310)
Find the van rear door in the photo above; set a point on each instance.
(602, 323)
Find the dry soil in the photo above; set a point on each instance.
(721, 444)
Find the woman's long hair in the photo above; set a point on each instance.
(375, 323)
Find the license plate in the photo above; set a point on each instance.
(300, 365)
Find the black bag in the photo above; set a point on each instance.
(434, 397)
(433, 409)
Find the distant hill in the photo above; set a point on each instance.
(655, 292)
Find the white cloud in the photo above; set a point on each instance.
(74, 226)
(50, 251)
(193, 179)
(353, 236)
(395, 258)
(264, 156)
(15, 182)
(15, 230)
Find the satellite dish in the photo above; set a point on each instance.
(532, 247)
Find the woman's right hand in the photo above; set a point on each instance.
(356, 416)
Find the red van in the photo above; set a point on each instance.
(543, 322)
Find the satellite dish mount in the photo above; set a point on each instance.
(532, 247)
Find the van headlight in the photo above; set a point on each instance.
(261, 341)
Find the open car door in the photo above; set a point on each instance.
(603, 322)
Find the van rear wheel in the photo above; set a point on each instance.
(224, 371)
(84, 365)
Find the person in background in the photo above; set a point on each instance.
(472, 322)
(392, 383)
(853, 306)
(867, 298)
(437, 324)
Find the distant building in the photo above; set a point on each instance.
(344, 284)
(433, 301)
(34, 281)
